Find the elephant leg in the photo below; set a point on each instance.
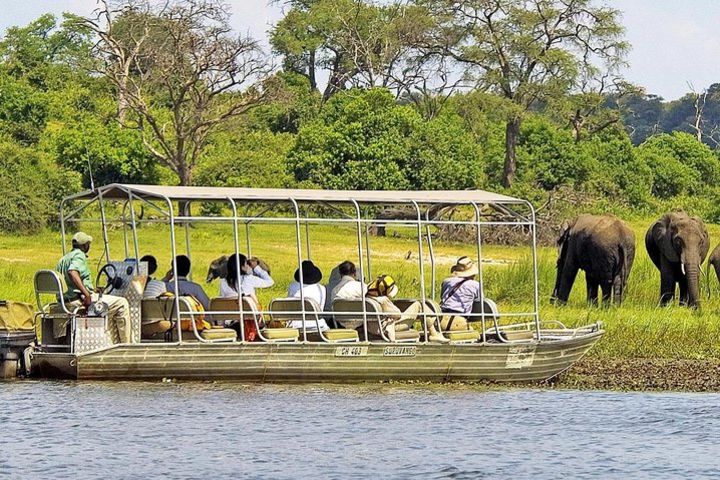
(618, 289)
(683, 283)
(592, 292)
(607, 289)
(667, 288)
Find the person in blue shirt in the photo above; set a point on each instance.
(185, 286)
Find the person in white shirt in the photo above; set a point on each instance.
(349, 288)
(153, 288)
(251, 277)
(311, 290)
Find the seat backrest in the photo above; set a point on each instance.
(486, 306)
(349, 313)
(157, 309)
(294, 305)
(49, 282)
(249, 307)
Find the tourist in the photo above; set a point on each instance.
(73, 266)
(186, 287)
(153, 288)
(311, 290)
(349, 287)
(251, 276)
(458, 294)
(383, 290)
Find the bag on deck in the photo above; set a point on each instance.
(16, 316)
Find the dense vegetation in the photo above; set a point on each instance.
(361, 101)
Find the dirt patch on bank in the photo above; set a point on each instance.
(643, 374)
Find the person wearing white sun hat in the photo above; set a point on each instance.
(458, 293)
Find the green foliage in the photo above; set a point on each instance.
(115, 154)
(248, 159)
(30, 187)
(364, 140)
(680, 164)
(23, 110)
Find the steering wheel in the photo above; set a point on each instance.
(113, 282)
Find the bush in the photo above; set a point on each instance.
(680, 164)
(364, 140)
(255, 159)
(31, 188)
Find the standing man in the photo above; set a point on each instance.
(74, 267)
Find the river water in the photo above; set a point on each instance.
(197, 430)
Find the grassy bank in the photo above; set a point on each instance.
(638, 329)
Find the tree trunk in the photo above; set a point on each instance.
(311, 71)
(512, 134)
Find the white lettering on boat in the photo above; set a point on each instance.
(351, 351)
(398, 351)
(520, 356)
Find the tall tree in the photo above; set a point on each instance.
(179, 71)
(358, 43)
(525, 50)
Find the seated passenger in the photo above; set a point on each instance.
(251, 276)
(153, 288)
(348, 288)
(458, 293)
(382, 290)
(80, 291)
(185, 286)
(311, 289)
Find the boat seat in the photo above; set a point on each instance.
(293, 312)
(349, 314)
(280, 334)
(219, 334)
(462, 336)
(159, 320)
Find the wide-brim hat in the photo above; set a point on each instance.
(464, 267)
(384, 286)
(310, 273)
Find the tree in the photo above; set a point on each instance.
(363, 140)
(358, 43)
(180, 71)
(526, 51)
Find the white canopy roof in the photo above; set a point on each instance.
(121, 191)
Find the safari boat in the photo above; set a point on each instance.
(502, 346)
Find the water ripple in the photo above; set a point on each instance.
(219, 430)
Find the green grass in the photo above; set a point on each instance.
(637, 329)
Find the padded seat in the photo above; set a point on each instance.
(281, 334)
(462, 336)
(341, 335)
(407, 336)
(219, 334)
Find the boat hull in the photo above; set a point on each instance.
(317, 362)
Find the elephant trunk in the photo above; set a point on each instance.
(691, 270)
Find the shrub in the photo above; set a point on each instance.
(31, 187)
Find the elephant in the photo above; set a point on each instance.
(601, 245)
(678, 244)
(714, 260)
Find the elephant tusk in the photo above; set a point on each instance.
(682, 268)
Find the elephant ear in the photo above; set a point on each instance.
(564, 233)
(654, 240)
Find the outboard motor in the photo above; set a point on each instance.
(17, 332)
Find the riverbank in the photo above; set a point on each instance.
(642, 374)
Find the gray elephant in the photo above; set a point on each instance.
(677, 245)
(601, 245)
(714, 260)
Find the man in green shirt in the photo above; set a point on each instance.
(80, 291)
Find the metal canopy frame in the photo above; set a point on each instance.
(149, 195)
